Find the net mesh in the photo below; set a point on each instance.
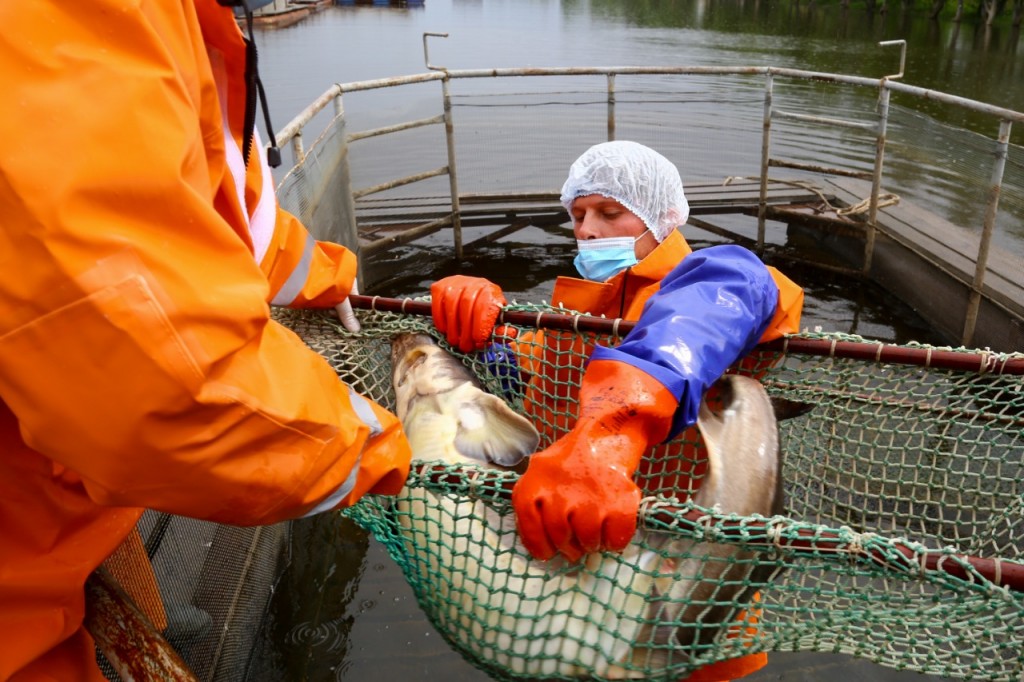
(905, 514)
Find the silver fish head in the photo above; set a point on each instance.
(446, 413)
(742, 440)
(703, 585)
(402, 345)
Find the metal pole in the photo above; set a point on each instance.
(762, 205)
(995, 189)
(876, 178)
(611, 107)
(426, 53)
(126, 637)
(453, 181)
(903, 55)
(297, 150)
(449, 133)
(349, 226)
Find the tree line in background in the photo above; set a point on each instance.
(987, 10)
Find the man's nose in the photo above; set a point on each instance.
(587, 226)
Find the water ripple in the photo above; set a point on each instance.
(329, 635)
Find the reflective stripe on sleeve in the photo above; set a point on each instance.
(264, 216)
(263, 219)
(335, 498)
(364, 411)
(297, 279)
(232, 152)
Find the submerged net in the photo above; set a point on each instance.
(902, 540)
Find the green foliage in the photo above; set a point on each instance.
(773, 16)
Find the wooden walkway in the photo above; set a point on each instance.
(384, 224)
(930, 263)
(923, 259)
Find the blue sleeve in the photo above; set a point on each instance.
(710, 311)
(501, 363)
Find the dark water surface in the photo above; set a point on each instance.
(344, 44)
(343, 610)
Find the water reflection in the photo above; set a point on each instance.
(966, 59)
(928, 160)
(798, 32)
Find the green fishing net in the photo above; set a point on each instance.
(902, 540)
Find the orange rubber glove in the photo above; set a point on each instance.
(465, 310)
(578, 495)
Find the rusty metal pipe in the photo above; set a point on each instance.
(991, 210)
(126, 638)
(980, 362)
(757, 533)
(408, 180)
(398, 127)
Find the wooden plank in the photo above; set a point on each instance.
(405, 237)
(944, 243)
(738, 191)
(511, 228)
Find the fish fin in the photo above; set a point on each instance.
(788, 409)
(709, 424)
(656, 658)
(491, 432)
(712, 430)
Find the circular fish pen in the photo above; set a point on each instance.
(901, 539)
(813, 169)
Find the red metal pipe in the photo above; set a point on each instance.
(1004, 573)
(757, 533)
(985, 362)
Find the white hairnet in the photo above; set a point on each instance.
(637, 177)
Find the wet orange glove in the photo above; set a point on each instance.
(465, 310)
(578, 495)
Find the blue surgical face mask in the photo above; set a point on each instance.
(601, 259)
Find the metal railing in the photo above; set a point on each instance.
(885, 86)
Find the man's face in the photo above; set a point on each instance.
(597, 217)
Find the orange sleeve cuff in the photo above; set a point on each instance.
(732, 669)
(787, 312)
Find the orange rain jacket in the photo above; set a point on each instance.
(550, 396)
(625, 294)
(549, 392)
(138, 365)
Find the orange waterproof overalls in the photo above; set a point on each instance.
(549, 360)
(138, 364)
